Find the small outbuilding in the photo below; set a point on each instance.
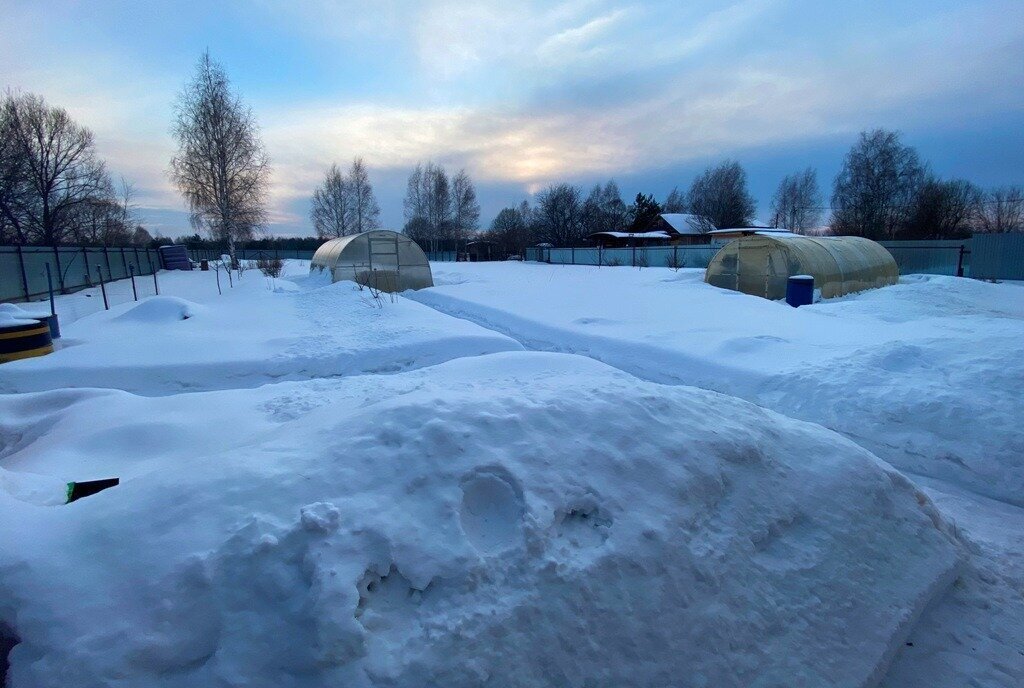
(382, 259)
(761, 265)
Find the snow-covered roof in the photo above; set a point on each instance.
(633, 235)
(766, 231)
(684, 223)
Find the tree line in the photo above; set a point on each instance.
(883, 191)
(53, 187)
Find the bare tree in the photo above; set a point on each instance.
(465, 209)
(559, 215)
(439, 201)
(430, 207)
(14, 186)
(510, 230)
(221, 167)
(719, 197)
(365, 211)
(332, 206)
(675, 202)
(59, 168)
(1002, 210)
(875, 190)
(944, 210)
(797, 202)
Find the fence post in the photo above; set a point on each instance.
(131, 271)
(156, 285)
(60, 272)
(633, 256)
(124, 261)
(103, 287)
(106, 257)
(24, 275)
(85, 259)
(49, 288)
(572, 254)
(960, 262)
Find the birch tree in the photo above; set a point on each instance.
(797, 202)
(331, 211)
(221, 167)
(365, 211)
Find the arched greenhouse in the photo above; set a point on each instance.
(382, 259)
(761, 265)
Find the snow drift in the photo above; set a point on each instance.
(926, 374)
(515, 519)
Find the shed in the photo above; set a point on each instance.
(762, 264)
(383, 259)
(480, 250)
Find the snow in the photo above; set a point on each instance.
(168, 344)
(516, 479)
(683, 223)
(633, 235)
(925, 374)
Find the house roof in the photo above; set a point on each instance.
(658, 234)
(766, 231)
(684, 223)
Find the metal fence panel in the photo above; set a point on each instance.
(998, 256)
(936, 257)
(71, 267)
(940, 257)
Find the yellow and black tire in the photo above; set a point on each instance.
(25, 341)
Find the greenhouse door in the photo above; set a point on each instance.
(752, 268)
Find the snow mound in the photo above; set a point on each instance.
(160, 309)
(12, 315)
(516, 519)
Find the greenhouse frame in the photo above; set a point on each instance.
(380, 259)
(761, 265)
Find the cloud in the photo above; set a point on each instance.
(524, 94)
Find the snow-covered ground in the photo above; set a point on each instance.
(318, 489)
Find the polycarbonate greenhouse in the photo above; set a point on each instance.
(761, 265)
(382, 259)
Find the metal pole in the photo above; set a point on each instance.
(634, 256)
(156, 285)
(24, 275)
(85, 259)
(103, 288)
(60, 273)
(124, 261)
(106, 257)
(49, 287)
(131, 271)
(572, 254)
(216, 270)
(960, 262)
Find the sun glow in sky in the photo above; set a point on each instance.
(526, 94)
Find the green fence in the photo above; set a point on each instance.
(23, 268)
(922, 257)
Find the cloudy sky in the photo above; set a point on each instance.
(523, 94)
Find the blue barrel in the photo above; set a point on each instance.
(800, 290)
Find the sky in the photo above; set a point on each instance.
(526, 94)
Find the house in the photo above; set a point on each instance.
(667, 229)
